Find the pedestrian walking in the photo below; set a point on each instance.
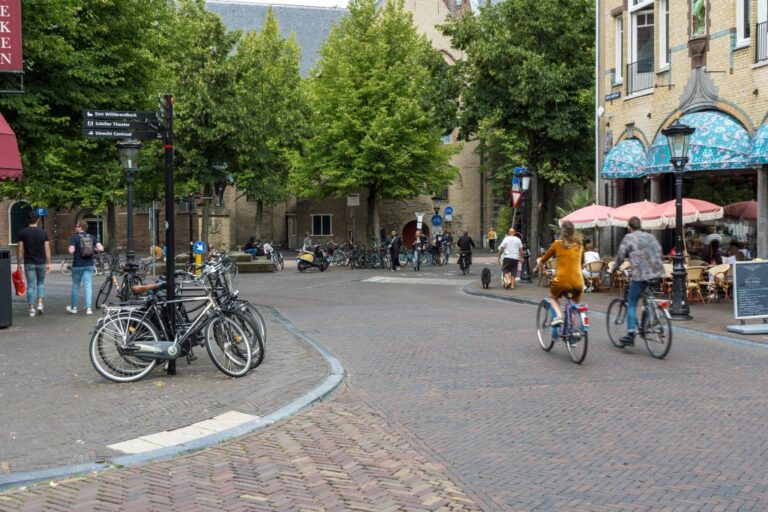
(33, 255)
(512, 250)
(82, 246)
(419, 246)
(492, 239)
(394, 250)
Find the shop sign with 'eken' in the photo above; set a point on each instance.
(10, 36)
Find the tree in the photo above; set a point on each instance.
(203, 87)
(528, 74)
(376, 125)
(80, 55)
(271, 116)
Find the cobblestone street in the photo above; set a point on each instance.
(450, 404)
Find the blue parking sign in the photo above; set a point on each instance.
(42, 211)
(200, 247)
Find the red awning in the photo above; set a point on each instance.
(10, 161)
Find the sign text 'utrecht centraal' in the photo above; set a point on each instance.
(10, 35)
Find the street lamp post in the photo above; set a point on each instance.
(525, 272)
(677, 138)
(129, 159)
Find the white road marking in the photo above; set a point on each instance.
(415, 280)
(185, 434)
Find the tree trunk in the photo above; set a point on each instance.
(372, 222)
(111, 237)
(207, 191)
(259, 216)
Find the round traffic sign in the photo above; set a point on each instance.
(437, 220)
(449, 210)
(199, 247)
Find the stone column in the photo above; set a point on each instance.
(762, 212)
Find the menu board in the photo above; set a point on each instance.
(750, 289)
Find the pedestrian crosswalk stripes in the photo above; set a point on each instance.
(416, 280)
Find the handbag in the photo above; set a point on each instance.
(18, 282)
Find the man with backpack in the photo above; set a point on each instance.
(82, 246)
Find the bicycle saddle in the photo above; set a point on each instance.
(138, 289)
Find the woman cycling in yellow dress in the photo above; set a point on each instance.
(568, 250)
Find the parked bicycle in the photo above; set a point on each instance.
(654, 326)
(132, 338)
(574, 331)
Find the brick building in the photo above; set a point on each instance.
(700, 61)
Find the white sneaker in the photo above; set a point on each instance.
(40, 309)
(88, 311)
(72, 310)
(31, 313)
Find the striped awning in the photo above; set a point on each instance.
(719, 143)
(625, 160)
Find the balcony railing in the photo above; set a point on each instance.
(761, 39)
(639, 76)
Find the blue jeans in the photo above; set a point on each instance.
(84, 275)
(35, 275)
(416, 259)
(636, 289)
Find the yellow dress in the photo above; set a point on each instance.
(568, 276)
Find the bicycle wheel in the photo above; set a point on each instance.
(657, 332)
(543, 327)
(404, 259)
(233, 270)
(252, 329)
(228, 346)
(104, 292)
(578, 341)
(107, 347)
(66, 268)
(616, 321)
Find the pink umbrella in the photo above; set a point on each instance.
(746, 210)
(591, 216)
(621, 215)
(694, 210)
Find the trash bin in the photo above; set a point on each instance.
(6, 289)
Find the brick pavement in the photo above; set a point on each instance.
(64, 413)
(339, 456)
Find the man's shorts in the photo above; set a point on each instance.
(509, 265)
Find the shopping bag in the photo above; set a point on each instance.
(18, 283)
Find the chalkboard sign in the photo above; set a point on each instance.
(750, 289)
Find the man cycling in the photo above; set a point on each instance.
(466, 244)
(646, 268)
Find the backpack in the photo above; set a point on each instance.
(86, 246)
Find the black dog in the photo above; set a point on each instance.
(485, 277)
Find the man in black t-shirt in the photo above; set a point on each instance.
(33, 255)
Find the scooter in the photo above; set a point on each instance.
(312, 259)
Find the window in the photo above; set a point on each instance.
(321, 225)
(640, 70)
(448, 138)
(742, 22)
(664, 53)
(619, 49)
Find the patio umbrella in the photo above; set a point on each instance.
(694, 210)
(746, 210)
(592, 216)
(621, 215)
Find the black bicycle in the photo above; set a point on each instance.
(655, 324)
(465, 262)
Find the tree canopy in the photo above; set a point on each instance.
(377, 118)
(527, 90)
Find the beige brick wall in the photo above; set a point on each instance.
(743, 90)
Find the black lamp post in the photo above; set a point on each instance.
(677, 138)
(436, 203)
(129, 159)
(525, 272)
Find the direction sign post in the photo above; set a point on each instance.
(120, 124)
